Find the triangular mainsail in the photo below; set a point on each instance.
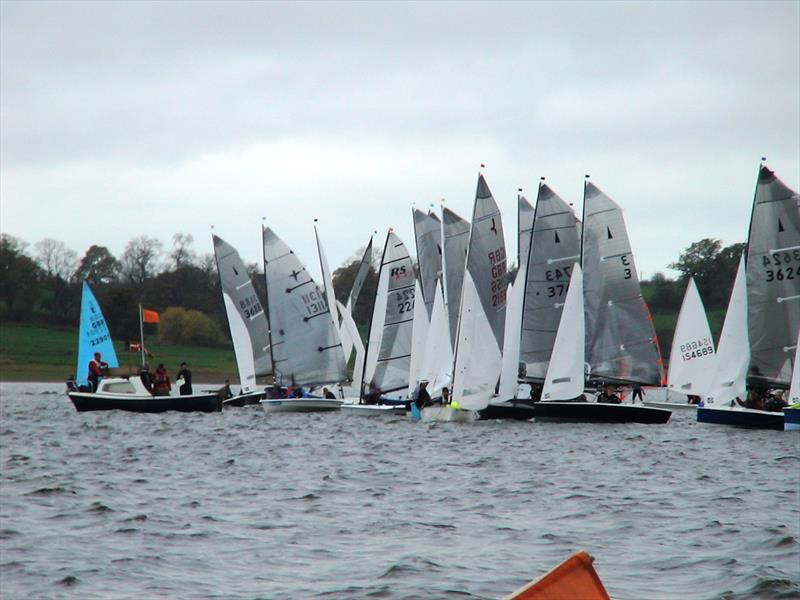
(525, 216)
(478, 354)
(773, 280)
(565, 372)
(246, 317)
(733, 350)
(621, 343)
(794, 386)
(388, 355)
(93, 336)
(509, 373)
(306, 349)
(349, 337)
(554, 248)
(330, 295)
(428, 235)
(455, 236)
(691, 360)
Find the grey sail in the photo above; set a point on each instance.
(244, 311)
(621, 343)
(428, 235)
(306, 349)
(554, 249)
(388, 356)
(486, 260)
(525, 214)
(455, 233)
(361, 275)
(773, 280)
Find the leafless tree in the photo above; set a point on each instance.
(55, 258)
(141, 259)
(182, 253)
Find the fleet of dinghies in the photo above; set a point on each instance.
(573, 321)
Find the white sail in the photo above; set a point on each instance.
(349, 325)
(478, 354)
(509, 373)
(330, 295)
(306, 349)
(525, 216)
(246, 317)
(691, 360)
(733, 351)
(621, 343)
(794, 386)
(387, 361)
(455, 239)
(428, 237)
(565, 372)
(437, 364)
(347, 336)
(773, 280)
(419, 338)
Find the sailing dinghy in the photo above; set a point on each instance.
(387, 360)
(550, 248)
(691, 359)
(247, 321)
(126, 393)
(481, 325)
(620, 342)
(764, 313)
(304, 336)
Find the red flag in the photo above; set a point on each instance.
(150, 316)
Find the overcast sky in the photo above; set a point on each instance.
(129, 118)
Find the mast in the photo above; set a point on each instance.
(141, 332)
(266, 306)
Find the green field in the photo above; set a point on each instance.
(30, 353)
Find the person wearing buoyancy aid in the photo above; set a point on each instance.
(96, 366)
(162, 385)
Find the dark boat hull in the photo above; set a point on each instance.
(599, 412)
(748, 418)
(84, 402)
(244, 399)
(517, 410)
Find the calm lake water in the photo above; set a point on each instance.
(241, 504)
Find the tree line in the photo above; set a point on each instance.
(41, 284)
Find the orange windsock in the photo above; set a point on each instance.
(150, 316)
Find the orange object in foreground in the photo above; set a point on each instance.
(574, 579)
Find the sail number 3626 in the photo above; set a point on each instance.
(779, 265)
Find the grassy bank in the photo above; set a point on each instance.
(29, 353)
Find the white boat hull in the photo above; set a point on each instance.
(300, 405)
(448, 414)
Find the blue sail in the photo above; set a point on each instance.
(93, 336)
